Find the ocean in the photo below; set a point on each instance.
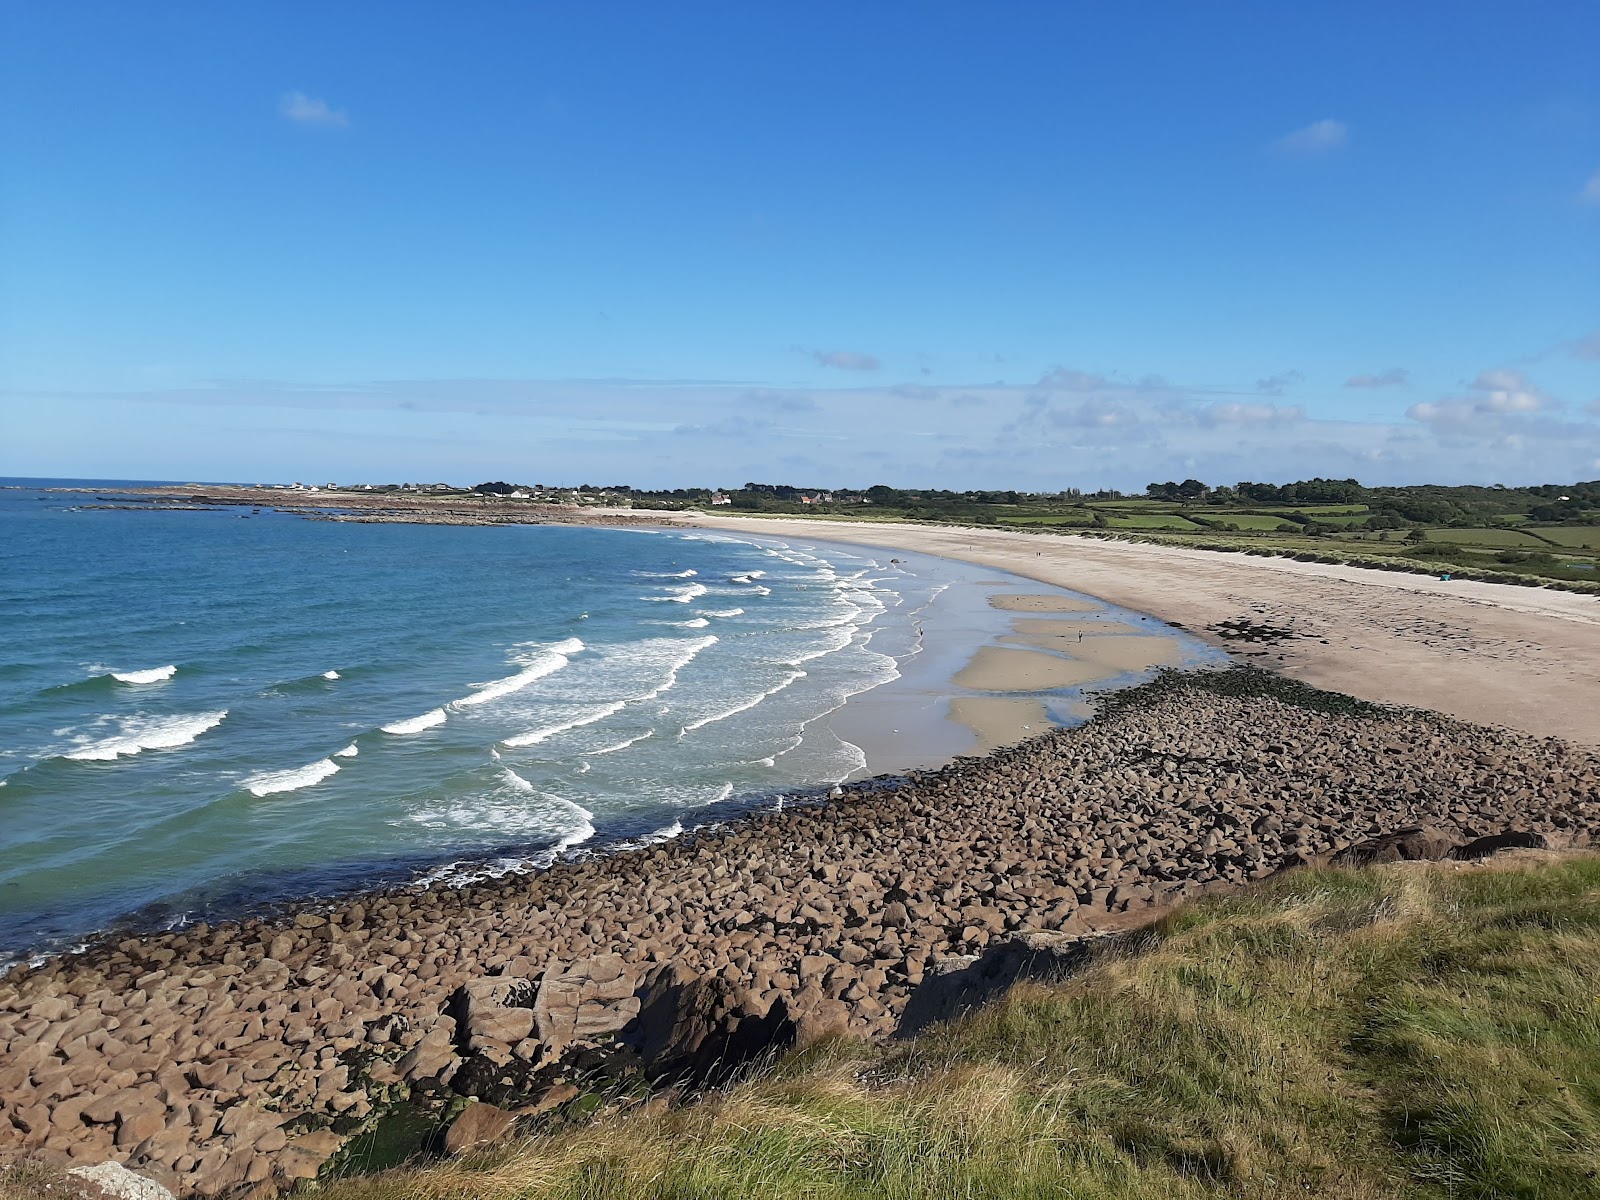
(203, 711)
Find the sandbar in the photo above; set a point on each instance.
(1112, 653)
(1002, 669)
(1032, 603)
(1000, 720)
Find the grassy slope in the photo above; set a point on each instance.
(1401, 1031)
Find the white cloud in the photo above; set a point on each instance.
(1319, 137)
(1393, 377)
(845, 360)
(1509, 391)
(311, 110)
(1591, 190)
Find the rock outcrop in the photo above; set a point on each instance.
(239, 1058)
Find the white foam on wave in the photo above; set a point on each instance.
(722, 612)
(744, 706)
(623, 745)
(349, 751)
(271, 782)
(692, 623)
(137, 734)
(542, 661)
(514, 808)
(689, 574)
(664, 834)
(840, 637)
(678, 595)
(330, 674)
(153, 675)
(536, 736)
(434, 716)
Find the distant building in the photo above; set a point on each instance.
(721, 498)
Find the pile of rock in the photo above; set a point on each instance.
(238, 1059)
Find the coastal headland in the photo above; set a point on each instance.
(238, 1058)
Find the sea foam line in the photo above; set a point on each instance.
(539, 735)
(739, 708)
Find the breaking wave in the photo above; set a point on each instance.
(272, 782)
(140, 733)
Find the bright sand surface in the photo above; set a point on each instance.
(999, 720)
(1492, 653)
(1041, 604)
(1110, 653)
(1001, 669)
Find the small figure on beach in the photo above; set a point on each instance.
(1080, 636)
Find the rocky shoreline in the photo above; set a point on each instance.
(241, 1058)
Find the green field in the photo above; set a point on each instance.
(1248, 520)
(1498, 538)
(1577, 537)
(1075, 522)
(1151, 521)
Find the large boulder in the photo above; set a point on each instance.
(1422, 843)
(952, 987)
(1511, 839)
(116, 1182)
(478, 1125)
(584, 1000)
(701, 1030)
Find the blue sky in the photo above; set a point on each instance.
(943, 244)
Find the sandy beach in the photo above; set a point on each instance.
(1494, 654)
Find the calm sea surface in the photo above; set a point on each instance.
(204, 709)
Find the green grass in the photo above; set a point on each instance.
(1411, 1031)
(1499, 538)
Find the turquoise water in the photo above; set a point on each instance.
(205, 709)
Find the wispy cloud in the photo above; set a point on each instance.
(1591, 190)
(1319, 137)
(1393, 377)
(1274, 385)
(1074, 381)
(844, 360)
(1088, 429)
(311, 110)
(1587, 347)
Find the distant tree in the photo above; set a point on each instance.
(497, 488)
(882, 494)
